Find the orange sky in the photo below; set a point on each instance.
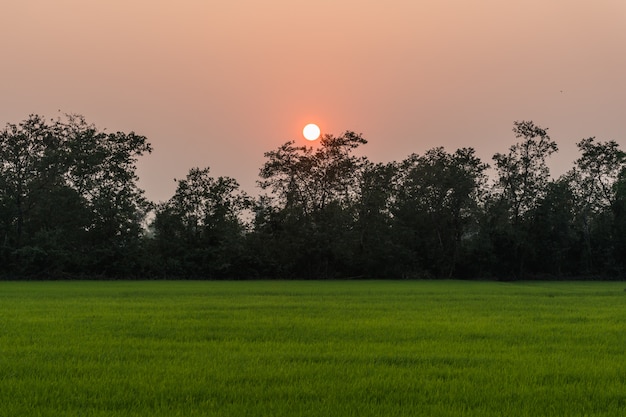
(219, 83)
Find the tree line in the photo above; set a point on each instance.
(70, 207)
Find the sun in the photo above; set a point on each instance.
(311, 131)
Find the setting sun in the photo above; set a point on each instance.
(311, 131)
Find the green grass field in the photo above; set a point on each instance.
(310, 348)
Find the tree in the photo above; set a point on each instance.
(596, 172)
(308, 180)
(436, 203)
(29, 153)
(309, 217)
(376, 254)
(102, 170)
(552, 239)
(523, 173)
(47, 166)
(596, 182)
(619, 214)
(199, 231)
(523, 178)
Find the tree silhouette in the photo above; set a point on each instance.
(199, 231)
(310, 213)
(70, 197)
(435, 206)
(70, 207)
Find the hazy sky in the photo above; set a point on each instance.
(218, 83)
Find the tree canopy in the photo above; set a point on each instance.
(70, 200)
(70, 207)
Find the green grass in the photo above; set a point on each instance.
(274, 348)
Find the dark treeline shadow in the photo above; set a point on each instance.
(70, 208)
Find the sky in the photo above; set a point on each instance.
(219, 83)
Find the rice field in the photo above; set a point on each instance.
(312, 348)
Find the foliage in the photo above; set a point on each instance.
(70, 207)
(520, 188)
(523, 173)
(436, 202)
(595, 180)
(307, 181)
(199, 231)
(376, 253)
(309, 217)
(595, 174)
(70, 198)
